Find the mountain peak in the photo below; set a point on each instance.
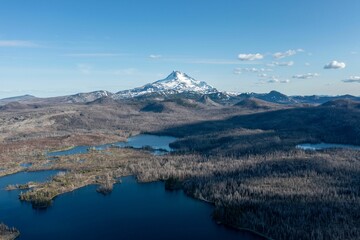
(175, 74)
(175, 83)
(178, 75)
(181, 82)
(276, 93)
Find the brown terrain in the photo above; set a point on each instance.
(242, 157)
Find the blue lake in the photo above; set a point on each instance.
(131, 211)
(322, 146)
(25, 165)
(159, 144)
(9, 199)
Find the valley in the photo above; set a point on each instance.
(237, 152)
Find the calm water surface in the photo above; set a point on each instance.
(158, 144)
(9, 199)
(131, 211)
(321, 146)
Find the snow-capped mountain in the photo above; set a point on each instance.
(176, 83)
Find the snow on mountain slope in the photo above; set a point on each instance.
(176, 82)
(87, 97)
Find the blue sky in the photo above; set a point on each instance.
(59, 47)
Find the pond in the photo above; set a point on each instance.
(322, 146)
(158, 144)
(131, 211)
(25, 165)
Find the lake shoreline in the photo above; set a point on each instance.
(205, 201)
(324, 146)
(147, 168)
(164, 190)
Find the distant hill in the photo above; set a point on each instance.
(87, 97)
(280, 98)
(106, 100)
(273, 97)
(315, 99)
(22, 98)
(255, 104)
(330, 124)
(15, 106)
(342, 103)
(277, 97)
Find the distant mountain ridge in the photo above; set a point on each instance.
(88, 97)
(255, 103)
(179, 85)
(273, 97)
(22, 98)
(342, 103)
(280, 98)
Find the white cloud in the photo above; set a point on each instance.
(352, 79)
(155, 56)
(307, 64)
(335, 65)
(282, 64)
(250, 56)
(262, 75)
(251, 70)
(17, 43)
(285, 81)
(273, 80)
(288, 53)
(306, 76)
